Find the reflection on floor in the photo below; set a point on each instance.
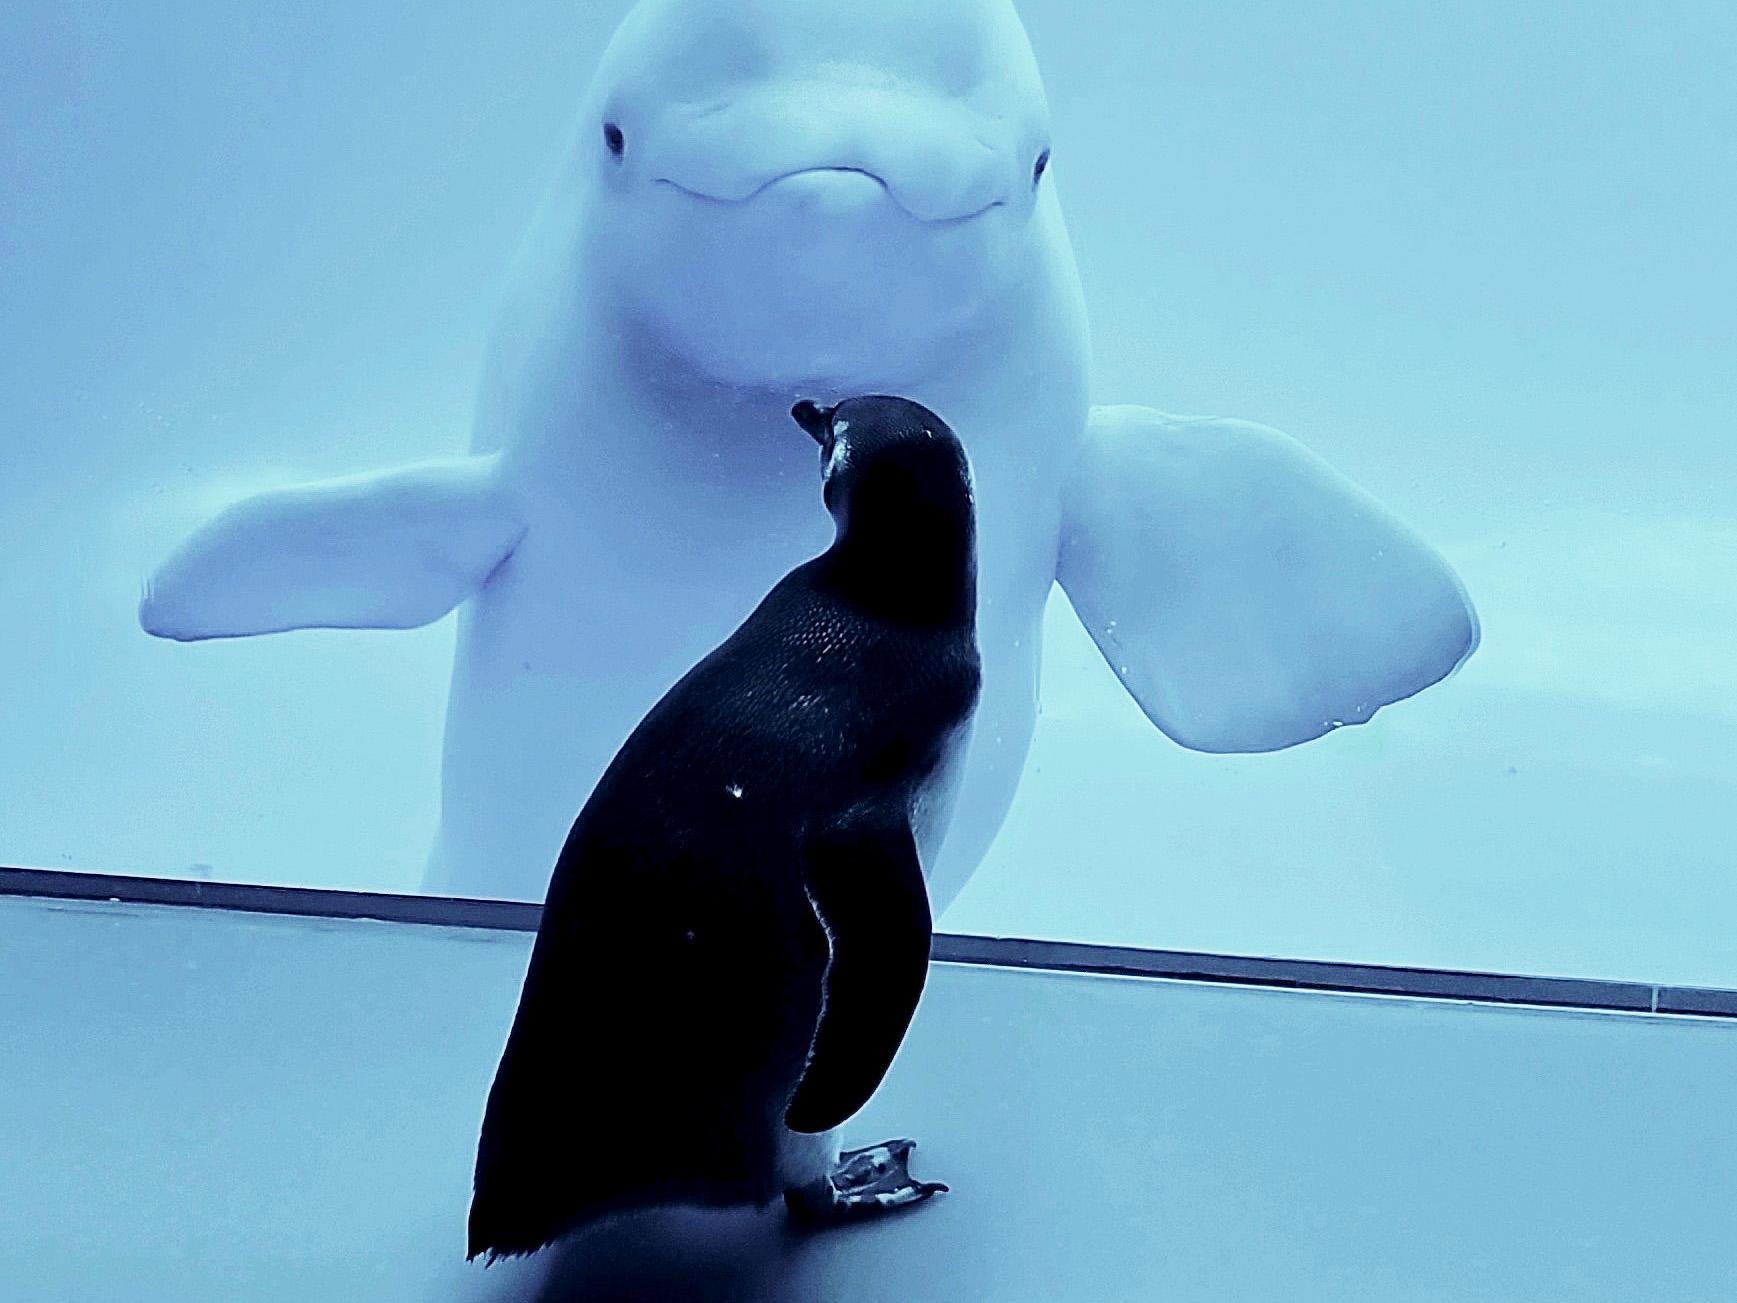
(203, 1105)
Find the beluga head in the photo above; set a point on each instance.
(816, 194)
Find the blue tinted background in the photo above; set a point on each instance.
(1478, 256)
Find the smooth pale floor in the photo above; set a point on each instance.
(202, 1105)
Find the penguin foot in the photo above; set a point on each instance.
(866, 1182)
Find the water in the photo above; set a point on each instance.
(1479, 260)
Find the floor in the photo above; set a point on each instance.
(196, 1104)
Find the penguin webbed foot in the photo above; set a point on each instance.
(865, 1183)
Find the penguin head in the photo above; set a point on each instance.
(898, 485)
(888, 456)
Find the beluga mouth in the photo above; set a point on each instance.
(734, 196)
(828, 185)
(837, 141)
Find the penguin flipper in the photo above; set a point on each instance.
(866, 885)
(388, 550)
(1247, 595)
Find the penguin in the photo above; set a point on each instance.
(737, 929)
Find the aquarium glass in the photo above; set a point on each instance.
(1477, 258)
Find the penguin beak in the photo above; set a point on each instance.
(815, 419)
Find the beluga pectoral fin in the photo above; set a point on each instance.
(389, 550)
(1247, 595)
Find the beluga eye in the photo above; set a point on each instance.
(1038, 168)
(613, 138)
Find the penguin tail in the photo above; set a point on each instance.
(500, 1230)
(510, 1218)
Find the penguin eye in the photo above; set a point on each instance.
(1038, 168)
(613, 138)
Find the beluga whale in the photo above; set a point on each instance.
(777, 200)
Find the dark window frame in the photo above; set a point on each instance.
(1590, 994)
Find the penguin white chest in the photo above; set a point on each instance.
(937, 795)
